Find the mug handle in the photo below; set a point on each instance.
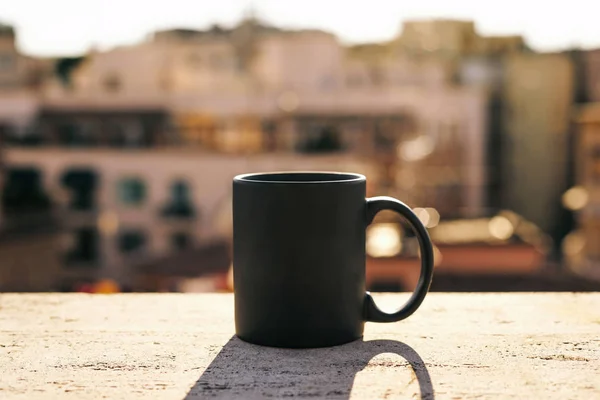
(372, 312)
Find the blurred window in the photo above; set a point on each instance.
(131, 191)
(135, 133)
(180, 204)
(131, 240)
(325, 139)
(115, 133)
(180, 241)
(84, 251)
(82, 183)
(73, 134)
(132, 132)
(595, 164)
(23, 192)
(384, 139)
(5, 133)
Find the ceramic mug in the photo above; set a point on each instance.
(299, 258)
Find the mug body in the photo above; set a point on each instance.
(299, 258)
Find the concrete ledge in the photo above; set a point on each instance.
(172, 346)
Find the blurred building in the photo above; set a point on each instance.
(453, 38)
(591, 73)
(17, 71)
(537, 98)
(582, 247)
(29, 227)
(119, 209)
(135, 147)
(29, 233)
(20, 77)
(529, 132)
(255, 88)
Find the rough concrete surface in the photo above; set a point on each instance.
(181, 346)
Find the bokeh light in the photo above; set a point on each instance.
(430, 217)
(108, 223)
(416, 149)
(383, 240)
(575, 198)
(501, 228)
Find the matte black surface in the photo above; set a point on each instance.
(299, 258)
(373, 313)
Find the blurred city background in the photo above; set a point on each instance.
(117, 159)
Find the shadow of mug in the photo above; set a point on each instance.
(246, 371)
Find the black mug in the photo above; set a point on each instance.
(299, 258)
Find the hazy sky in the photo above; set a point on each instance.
(62, 27)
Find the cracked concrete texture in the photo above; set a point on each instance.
(181, 346)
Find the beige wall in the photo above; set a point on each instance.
(394, 70)
(304, 61)
(138, 70)
(18, 109)
(205, 67)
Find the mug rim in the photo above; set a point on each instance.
(338, 177)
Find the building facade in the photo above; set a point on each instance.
(453, 38)
(118, 209)
(582, 246)
(591, 72)
(20, 80)
(537, 95)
